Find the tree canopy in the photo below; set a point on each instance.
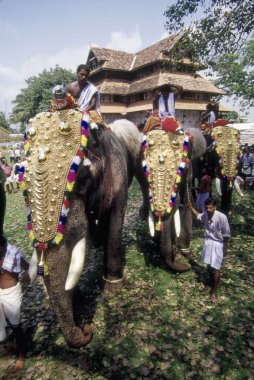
(3, 121)
(36, 96)
(220, 34)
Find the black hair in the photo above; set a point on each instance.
(210, 201)
(83, 67)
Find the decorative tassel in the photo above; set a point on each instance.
(41, 265)
(159, 225)
(230, 184)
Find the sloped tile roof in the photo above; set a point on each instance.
(113, 87)
(114, 59)
(186, 80)
(156, 51)
(121, 60)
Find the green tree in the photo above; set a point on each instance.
(220, 34)
(36, 96)
(236, 74)
(4, 122)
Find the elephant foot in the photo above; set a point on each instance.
(177, 267)
(79, 337)
(113, 285)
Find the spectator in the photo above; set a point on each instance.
(17, 154)
(2, 201)
(12, 263)
(11, 154)
(215, 244)
(204, 192)
(246, 165)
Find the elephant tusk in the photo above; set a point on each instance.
(237, 187)
(33, 267)
(76, 264)
(177, 223)
(218, 186)
(151, 224)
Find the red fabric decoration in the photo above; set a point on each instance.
(220, 122)
(169, 124)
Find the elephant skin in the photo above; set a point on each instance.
(97, 210)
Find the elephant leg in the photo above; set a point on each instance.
(166, 246)
(61, 301)
(113, 274)
(143, 183)
(58, 261)
(186, 228)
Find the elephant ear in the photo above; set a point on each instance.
(56, 140)
(198, 143)
(227, 147)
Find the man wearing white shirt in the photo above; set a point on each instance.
(215, 244)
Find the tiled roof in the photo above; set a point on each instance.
(186, 80)
(121, 60)
(114, 59)
(113, 87)
(156, 51)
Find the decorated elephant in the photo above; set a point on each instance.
(167, 166)
(220, 162)
(80, 169)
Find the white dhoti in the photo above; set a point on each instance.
(212, 253)
(10, 302)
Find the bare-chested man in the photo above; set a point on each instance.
(12, 262)
(83, 91)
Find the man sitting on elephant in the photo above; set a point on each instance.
(163, 115)
(85, 92)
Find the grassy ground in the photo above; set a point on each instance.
(161, 325)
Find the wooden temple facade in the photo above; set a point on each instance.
(126, 80)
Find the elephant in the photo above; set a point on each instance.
(75, 185)
(220, 162)
(167, 165)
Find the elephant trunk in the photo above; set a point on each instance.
(76, 264)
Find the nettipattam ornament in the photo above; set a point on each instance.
(55, 144)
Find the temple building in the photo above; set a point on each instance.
(126, 81)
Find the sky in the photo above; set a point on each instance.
(40, 34)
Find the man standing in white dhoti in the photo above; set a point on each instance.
(215, 244)
(83, 91)
(12, 263)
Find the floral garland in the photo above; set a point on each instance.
(184, 160)
(43, 246)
